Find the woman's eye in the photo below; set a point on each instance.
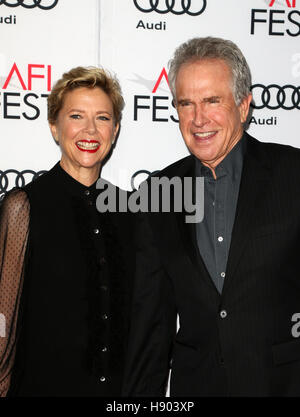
(103, 118)
(75, 116)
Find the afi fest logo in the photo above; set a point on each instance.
(156, 106)
(280, 19)
(26, 103)
(177, 7)
(30, 4)
(289, 3)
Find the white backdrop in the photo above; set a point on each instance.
(135, 39)
(62, 37)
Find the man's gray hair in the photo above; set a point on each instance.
(197, 49)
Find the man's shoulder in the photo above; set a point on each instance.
(182, 167)
(278, 148)
(275, 152)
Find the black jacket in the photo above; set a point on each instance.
(240, 342)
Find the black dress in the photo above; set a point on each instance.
(67, 289)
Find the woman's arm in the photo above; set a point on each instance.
(14, 227)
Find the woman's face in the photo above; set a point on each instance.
(85, 130)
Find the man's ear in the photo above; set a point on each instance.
(244, 107)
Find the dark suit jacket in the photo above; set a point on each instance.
(251, 351)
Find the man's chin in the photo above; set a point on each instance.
(204, 157)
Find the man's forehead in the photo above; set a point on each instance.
(198, 62)
(190, 75)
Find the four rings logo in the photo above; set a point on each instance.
(177, 7)
(30, 4)
(274, 97)
(13, 178)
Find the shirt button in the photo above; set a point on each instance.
(223, 274)
(104, 349)
(102, 260)
(223, 314)
(104, 287)
(96, 231)
(87, 192)
(104, 316)
(220, 239)
(102, 379)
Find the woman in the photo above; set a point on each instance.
(64, 266)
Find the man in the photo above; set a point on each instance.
(233, 278)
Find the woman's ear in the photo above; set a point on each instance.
(115, 134)
(54, 132)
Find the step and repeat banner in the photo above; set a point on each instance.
(40, 39)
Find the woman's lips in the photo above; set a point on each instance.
(90, 146)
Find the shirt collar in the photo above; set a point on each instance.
(72, 186)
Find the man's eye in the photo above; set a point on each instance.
(185, 103)
(214, 100)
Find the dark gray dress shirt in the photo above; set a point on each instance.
(220, 200)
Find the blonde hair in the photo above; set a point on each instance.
(89, 77)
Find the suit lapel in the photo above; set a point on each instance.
(188, 232)
(255, 177)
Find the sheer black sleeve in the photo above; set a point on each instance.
(14, 228)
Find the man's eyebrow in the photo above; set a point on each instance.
(183, 100)
(212, 98)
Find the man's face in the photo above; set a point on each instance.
(209, 119)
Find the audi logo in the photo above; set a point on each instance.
(177, 7)
(30, 4)
(274, 97)
(13, 178)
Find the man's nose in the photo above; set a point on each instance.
(200, 116)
